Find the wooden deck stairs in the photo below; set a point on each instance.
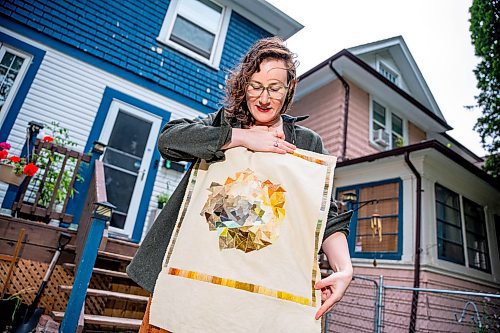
(114, 303)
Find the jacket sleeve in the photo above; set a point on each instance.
(192, 139)
(335, 222)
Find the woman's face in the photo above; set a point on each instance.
(266, 92)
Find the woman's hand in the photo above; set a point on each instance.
(334, 286)
(260, 138)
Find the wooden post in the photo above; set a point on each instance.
(82, 277)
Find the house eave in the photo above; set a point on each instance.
(321, 75)
(431, 144)
(266, 16)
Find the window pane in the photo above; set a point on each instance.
(378, 113)
(450, 251)
(9, 70)
(203, 13)
(383, 237)
(448, 214)
(7, 59)
(130, 134)
(446, 196)
(450, 233)
(397, 125)
(192, 37)
(477, 242)
(119, 188)
(449, 227)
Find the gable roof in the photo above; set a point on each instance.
(398, 50)
(365, 75)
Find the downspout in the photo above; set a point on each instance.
(416, 276)
(346, 109)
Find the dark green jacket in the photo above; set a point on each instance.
(190, 140)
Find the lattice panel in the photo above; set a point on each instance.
(27, 277)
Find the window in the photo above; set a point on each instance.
(13, 65)
(450, 225)
(196, 28)
(477, 242)
(388, 73)
(369, 240)
(388, 130)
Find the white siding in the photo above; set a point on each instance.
(69, 91)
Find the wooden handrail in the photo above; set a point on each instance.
(89, 237)
(96, 193)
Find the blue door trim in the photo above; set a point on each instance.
(354, 221)
(107, 99)
(104, 65)
(18, 100)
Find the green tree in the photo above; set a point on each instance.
(485, 33)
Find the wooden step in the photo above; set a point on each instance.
(104, 254)
(110, 294)
(118, 322)
(101, 271)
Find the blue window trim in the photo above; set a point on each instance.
(25, 86)
(104, 65)
(108, 96)
(354, 221)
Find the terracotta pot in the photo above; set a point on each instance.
(8, 176)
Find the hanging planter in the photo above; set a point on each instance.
(13, 169)
(7, 175)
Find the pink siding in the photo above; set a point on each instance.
(436, 312)
(415, 134)
(358, 141)
(326, 108)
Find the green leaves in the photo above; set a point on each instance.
(485, 35)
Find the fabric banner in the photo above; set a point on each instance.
(243, 255)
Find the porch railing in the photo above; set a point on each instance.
(46, 195)
(95, 216)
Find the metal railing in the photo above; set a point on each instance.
(371, 306)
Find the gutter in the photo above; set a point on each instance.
(418, 250)
(430, 144)
(380, 77)
(346, 109)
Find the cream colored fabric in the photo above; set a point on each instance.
(285, 267)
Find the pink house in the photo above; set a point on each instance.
(438, 214)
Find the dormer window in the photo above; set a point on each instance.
(197, 28)
(388, 73)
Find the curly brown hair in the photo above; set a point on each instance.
(235, 105)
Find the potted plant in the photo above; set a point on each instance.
(162, 199)
(50, 163)
(13, 169)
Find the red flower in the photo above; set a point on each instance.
(14, 159)
(30, 169)
(48, 139)
(3, 154)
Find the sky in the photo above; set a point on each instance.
(435, 31)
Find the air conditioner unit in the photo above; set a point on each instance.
(381, 137)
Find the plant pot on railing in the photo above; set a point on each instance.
(7, 175)
(13, 169)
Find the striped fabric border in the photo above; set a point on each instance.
(253, 288)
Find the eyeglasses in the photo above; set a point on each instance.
(274, 90)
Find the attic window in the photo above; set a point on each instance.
(197, 28)
(388, 73)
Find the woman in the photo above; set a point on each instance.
(258, 94)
